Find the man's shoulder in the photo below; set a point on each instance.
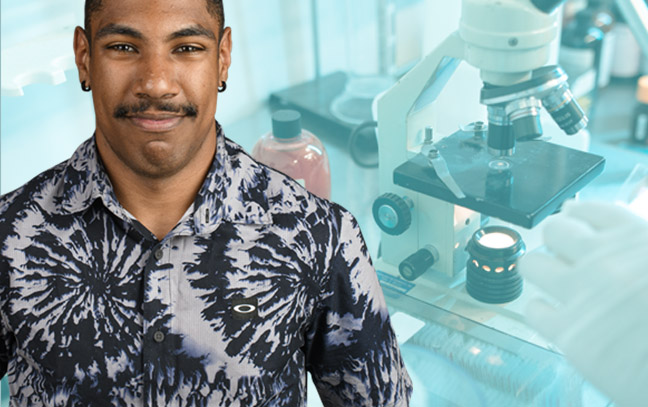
(62, 189)
(38, 194)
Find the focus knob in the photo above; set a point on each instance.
(392, 213)
(418, 263)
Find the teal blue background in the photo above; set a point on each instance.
(4, 390)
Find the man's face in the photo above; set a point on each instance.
(154, 67)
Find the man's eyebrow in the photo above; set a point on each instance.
(118, 29)
(192, 31)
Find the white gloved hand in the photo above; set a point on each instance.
(597, 270)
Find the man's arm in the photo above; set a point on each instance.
(4, 355)
(4, 335)
(351, 349)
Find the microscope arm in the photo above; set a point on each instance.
(420, 85)
(416, 89)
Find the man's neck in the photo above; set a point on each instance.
(159, 203)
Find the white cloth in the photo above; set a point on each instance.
(596, 268)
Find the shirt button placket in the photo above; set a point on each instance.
(153, 356)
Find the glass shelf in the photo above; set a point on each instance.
(455, 361)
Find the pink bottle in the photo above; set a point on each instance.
(295, 152)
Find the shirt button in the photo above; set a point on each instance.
(158, 336)
(158, 254)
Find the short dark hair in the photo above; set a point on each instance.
(214, 7)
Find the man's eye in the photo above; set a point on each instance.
(188, 49)
(121, 48)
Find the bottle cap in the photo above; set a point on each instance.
(642, 89)
(286, 124)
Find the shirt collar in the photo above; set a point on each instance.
(85, 180)
(234, 189)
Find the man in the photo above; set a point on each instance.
(162, 266)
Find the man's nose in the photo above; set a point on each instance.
(156, 77)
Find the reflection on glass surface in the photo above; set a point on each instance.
(454, 361)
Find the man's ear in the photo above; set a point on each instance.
(82, 55)
(225, 54)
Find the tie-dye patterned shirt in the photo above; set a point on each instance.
(258, 283)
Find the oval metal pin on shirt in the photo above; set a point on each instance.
(244, 308)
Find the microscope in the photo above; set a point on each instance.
(436, 194)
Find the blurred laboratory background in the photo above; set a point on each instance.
(374, 97)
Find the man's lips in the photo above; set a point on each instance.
(155, 122)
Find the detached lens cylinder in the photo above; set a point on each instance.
(491, 272)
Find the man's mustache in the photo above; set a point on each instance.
(123, 111)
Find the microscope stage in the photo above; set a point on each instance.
(522, 189)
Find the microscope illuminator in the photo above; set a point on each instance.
(491, 274)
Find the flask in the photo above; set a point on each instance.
(639, 132)
(295, 152)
